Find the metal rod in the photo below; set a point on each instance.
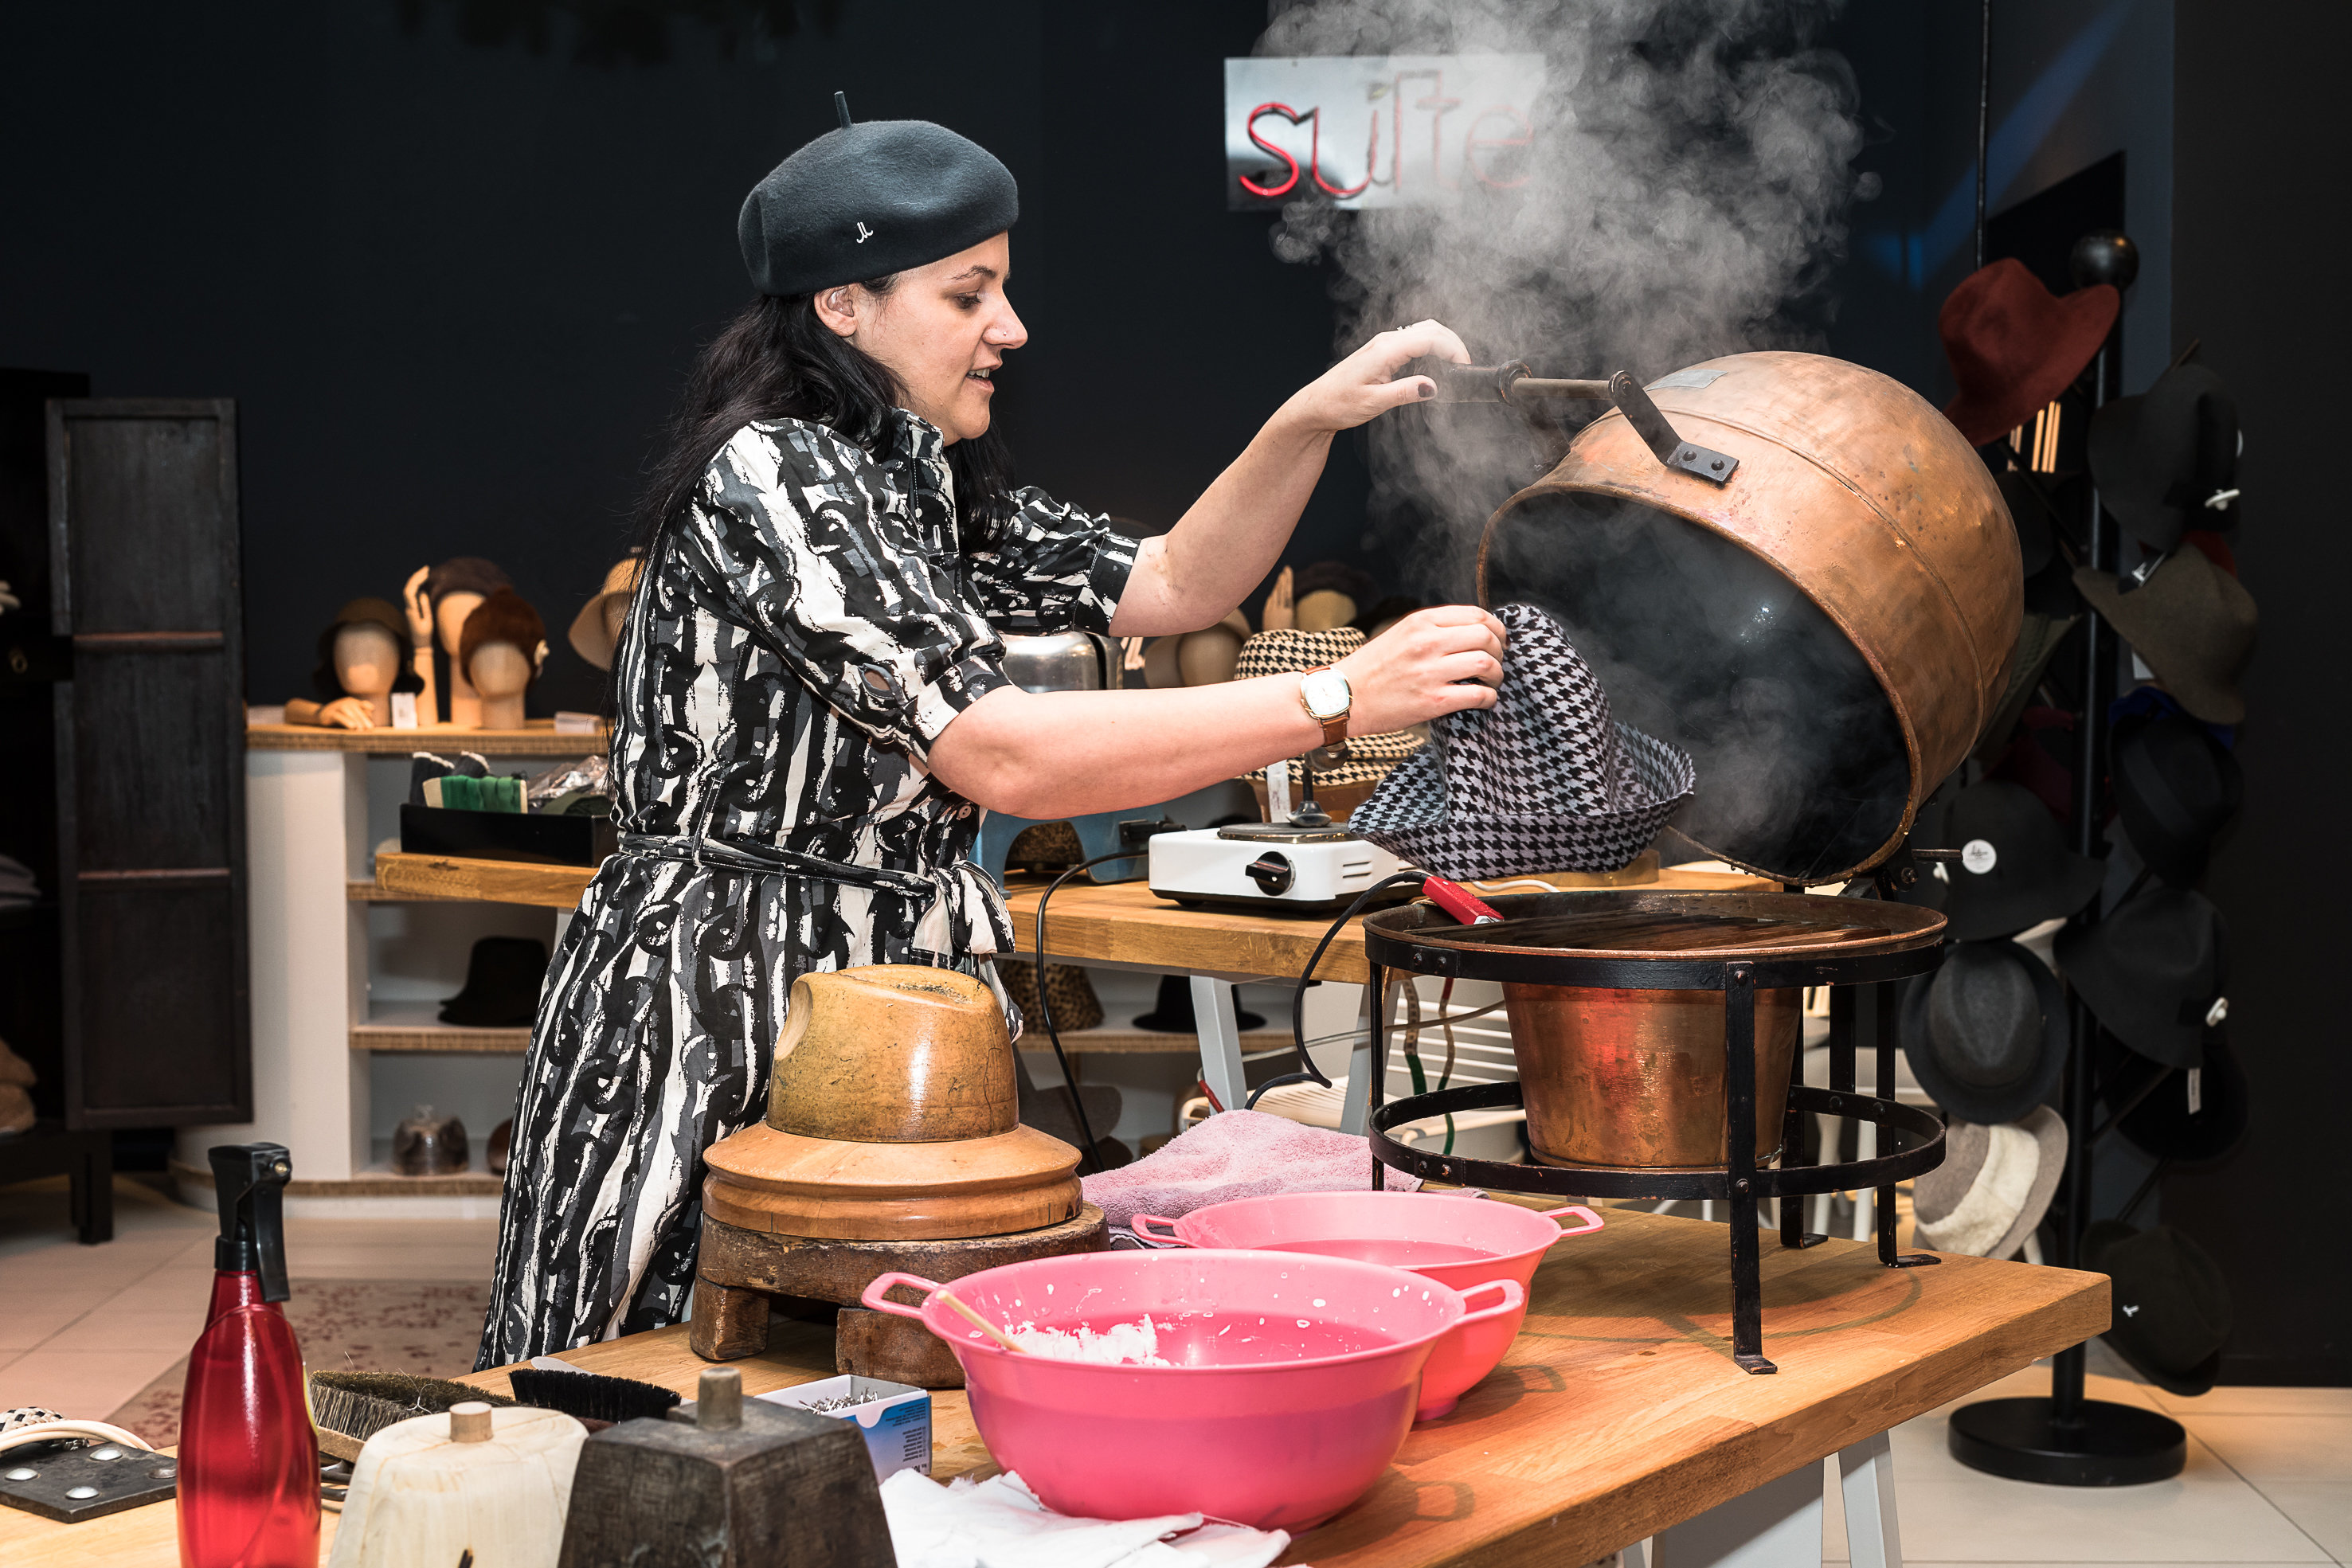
(1376, 978)
(1841, 1000)
(1984, 117)
(1529, 389)
(1739, 1130)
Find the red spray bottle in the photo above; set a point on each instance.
(248, 1458)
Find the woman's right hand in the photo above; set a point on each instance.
(1436, 661)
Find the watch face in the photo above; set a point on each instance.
(1326, 692)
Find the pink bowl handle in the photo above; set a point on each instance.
(1513, 1298)
(1593, 1221)
(876, 1295)
(1170, 1239)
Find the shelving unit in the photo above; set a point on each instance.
(349, 968)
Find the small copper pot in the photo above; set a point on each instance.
(1636, 1078)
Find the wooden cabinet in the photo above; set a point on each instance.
(149, 741)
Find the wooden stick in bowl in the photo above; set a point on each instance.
(981, 1323)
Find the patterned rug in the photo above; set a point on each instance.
(360, 1325)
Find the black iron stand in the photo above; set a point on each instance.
(1740, 1181)
(2066, 1439)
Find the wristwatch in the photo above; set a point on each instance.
(1325, 696)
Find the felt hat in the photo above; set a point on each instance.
(2167, 461)
(1994, 1185)
(588, 636)
(865, 201)
(372, 612)
(2014, 345)
(2038, 637)
(2014, 869)
(465, 574)
(503, 617)
(1986, 1033)
(2172, 1313)
(1172, 1010)
(2175, 788)
(1364, 758)
(2153, 971)
(2191, 1123)
(502, 980)
(1544, 780)
(2191, 622)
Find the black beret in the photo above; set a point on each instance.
(872, 199)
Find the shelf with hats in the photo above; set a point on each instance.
(537, 737)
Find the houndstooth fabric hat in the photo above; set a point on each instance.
(1286, 651)
(1544, 780)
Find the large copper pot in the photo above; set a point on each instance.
(1826, 633)
(1636, 1078)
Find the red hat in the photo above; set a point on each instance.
(2014, 345)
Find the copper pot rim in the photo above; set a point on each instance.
(1904, 928)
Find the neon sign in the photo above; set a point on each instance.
(1429, 127)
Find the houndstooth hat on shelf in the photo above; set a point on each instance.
(1544, 780)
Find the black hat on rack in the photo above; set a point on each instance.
(1986, 1033)
(1172, 1011)
(864, 201)
(2167, 461)
(503, 981)
(2152, 971)
(2172, 1313)
(2014, 869)
(1544, 780)
(2175, 788)
(2191, 1122)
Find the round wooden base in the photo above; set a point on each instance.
(739, 1271)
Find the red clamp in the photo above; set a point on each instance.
(1459, 902)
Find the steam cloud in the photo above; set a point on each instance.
(1686, 182)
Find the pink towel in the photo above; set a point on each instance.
(1236, 1154)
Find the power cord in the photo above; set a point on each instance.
(1045, 1005)
(1313, 1074)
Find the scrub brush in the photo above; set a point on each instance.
(595, 1401)
(349, 1407)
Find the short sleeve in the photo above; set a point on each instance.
(795, 522)
(1050, 566)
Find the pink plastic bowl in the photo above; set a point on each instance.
(1294, 1381)
(1463, 1242)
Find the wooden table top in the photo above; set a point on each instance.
(1127, 922)
(537, 737)
(1617, 1411)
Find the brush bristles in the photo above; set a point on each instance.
(587, 1397)
(356, 1406)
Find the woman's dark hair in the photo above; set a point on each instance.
(777, 361)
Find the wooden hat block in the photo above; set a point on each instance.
(892, 1141)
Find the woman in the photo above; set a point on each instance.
(812, 716)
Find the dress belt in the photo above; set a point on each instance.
(964, 914)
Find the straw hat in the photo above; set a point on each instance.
(588, 636)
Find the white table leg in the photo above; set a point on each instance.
(1220, 1041)
(1866, 1476)
(1357, 1108)
(1778, 1525)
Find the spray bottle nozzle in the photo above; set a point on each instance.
(248, 1181)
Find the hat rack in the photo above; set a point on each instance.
(1411, 941)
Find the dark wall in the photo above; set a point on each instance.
(2254, 119)
(455, 283)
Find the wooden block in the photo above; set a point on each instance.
(737, 1259)
(785, 1488)
(877, 1345)
(728, 1324)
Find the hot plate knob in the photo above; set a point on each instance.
(1271, 871)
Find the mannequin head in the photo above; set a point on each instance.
(500, 652)
(364, 654)
(458, 587)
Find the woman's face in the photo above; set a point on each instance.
(942, 330)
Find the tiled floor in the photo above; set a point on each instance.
(2269, 1478)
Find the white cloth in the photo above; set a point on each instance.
(999, 1523)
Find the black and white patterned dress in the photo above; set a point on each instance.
(802, 637)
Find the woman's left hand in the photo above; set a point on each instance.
(1361, 387)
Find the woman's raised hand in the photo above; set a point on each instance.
(1435, 661)
(1363, 385)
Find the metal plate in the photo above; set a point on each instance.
(130, 1477)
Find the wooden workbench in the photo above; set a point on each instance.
(1617, 1414)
